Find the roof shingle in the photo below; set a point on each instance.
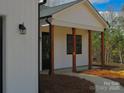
(48, 11)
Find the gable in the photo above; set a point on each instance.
(79, 16)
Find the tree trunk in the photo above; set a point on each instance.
(120, 55)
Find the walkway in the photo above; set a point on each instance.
(102, 85)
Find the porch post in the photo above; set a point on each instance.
(74, 49)
(51, 50)
(102, 49)
(90, 49)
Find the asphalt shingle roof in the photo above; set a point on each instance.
(48, 11)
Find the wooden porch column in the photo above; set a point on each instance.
(74, 50)
(90, 49)
(102, 49)
(51, 50)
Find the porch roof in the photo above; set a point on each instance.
(78, 14)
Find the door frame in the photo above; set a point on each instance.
(45, 33)
(1, 75)
(39, 44)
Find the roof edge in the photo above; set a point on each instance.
(106, 22)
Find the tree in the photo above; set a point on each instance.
(96, 46)
(122, 9)
(114, 38)
(118, 37)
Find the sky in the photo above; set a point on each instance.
(101, 5)
(105, 5)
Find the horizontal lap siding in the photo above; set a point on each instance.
(62, 60)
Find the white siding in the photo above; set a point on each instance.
(21, 64)
(61, 59)
(78, 16)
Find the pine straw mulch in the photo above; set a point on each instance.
(65, 84)
(109, 74)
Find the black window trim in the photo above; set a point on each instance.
(77, 52)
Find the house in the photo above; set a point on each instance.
(19, 68)
(18, 51)
(67, 35)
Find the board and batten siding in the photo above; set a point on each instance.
(20, 51)
(61, 58)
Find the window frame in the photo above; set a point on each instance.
(70, 44)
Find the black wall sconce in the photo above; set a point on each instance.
(22, 28)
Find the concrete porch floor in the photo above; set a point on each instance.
(69, 70)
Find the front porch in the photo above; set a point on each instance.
(70, 27)
(78, 58)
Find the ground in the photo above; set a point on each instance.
(112, 66)
(113, 71)
(65, 84)
(105, 79)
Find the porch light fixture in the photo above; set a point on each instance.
(22, 28)
(41, 1)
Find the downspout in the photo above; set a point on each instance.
(50, 28)
(47, 21)
(39, 4)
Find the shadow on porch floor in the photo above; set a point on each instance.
(69, 70)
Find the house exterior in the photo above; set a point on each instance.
(67, 35)
(20, 53)
(19, 40)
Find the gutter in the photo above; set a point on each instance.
(44, 2)
(47, 20)
(46, 17)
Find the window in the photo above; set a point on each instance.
(70, 44)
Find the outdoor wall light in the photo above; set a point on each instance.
(22, 28)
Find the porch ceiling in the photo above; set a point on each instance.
(76, 25)
(72, 24)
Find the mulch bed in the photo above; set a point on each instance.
(107, 67)
(65, 84)
(111, 66)
(109, 74)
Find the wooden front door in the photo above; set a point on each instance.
(1, 56)
(45, 51)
